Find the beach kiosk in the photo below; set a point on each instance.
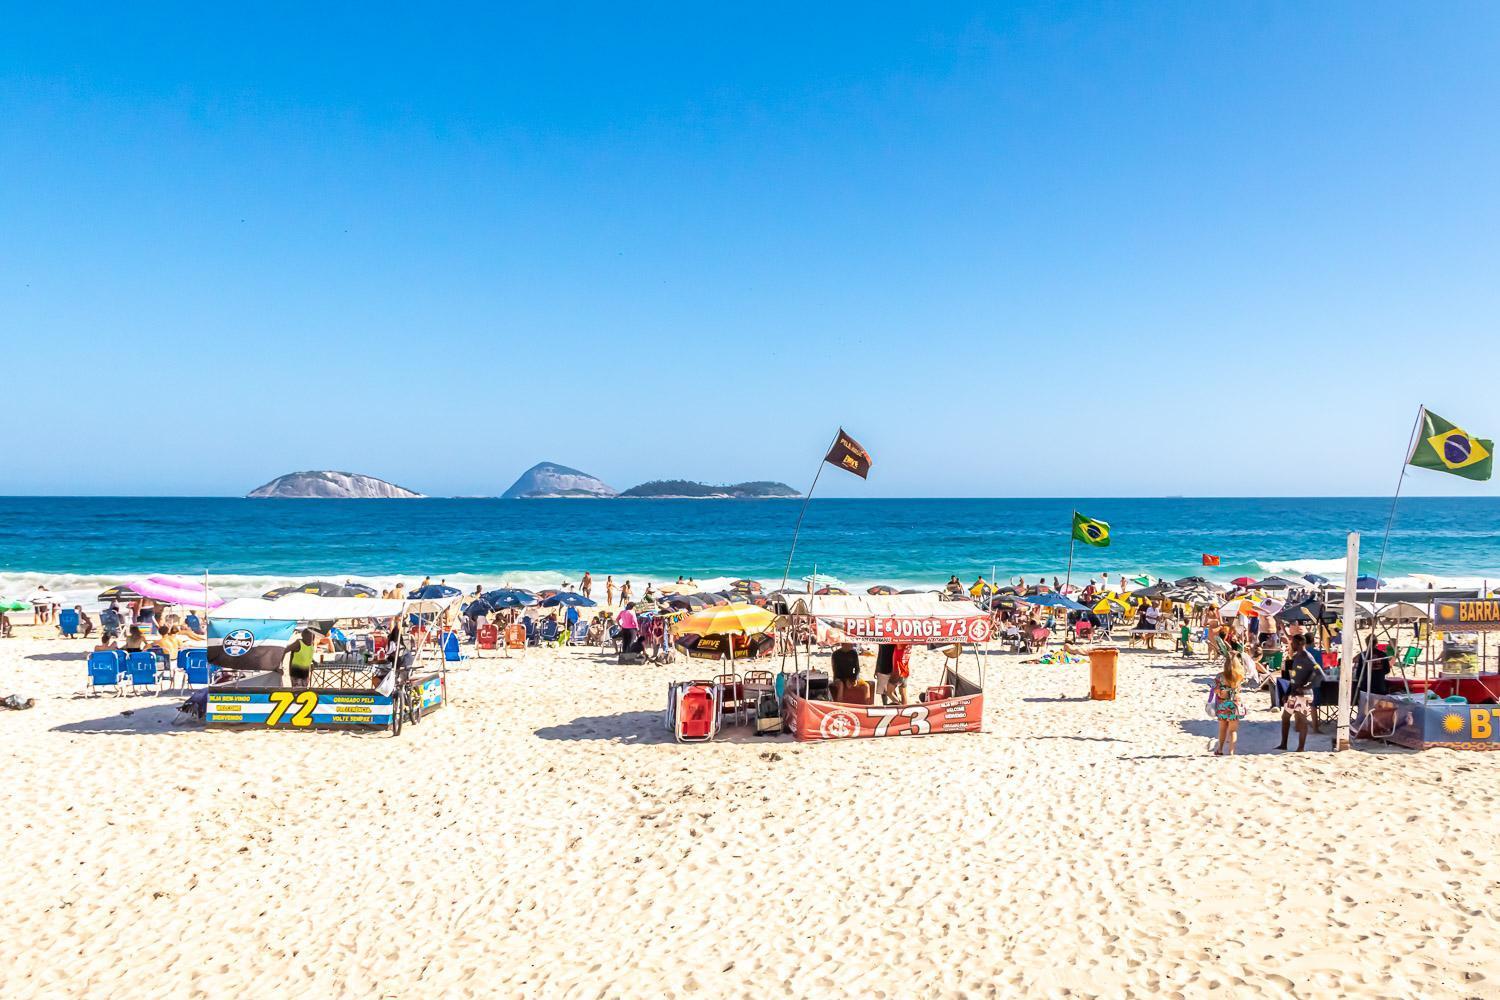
(359, 688)
(954, 705)
(1459, 708)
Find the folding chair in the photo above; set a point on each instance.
(142, 670)
(193, 664)
(486, 636)
(106, 668)
(67, 623)
(732, 698)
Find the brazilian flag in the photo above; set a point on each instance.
(1444, 447)
(1089, 531)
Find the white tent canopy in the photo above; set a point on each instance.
(1400, 611)
(927, 605)
(311, 608)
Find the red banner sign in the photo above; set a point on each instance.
(975, 628)
(827, 720)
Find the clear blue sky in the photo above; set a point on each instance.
(647, 241)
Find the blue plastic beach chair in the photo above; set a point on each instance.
(194, 666)
(141, 669)
(105, 669)
(451, 652)
(67, 623)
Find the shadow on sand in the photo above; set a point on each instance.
(78, 658)
(151, 719)
(641, 729)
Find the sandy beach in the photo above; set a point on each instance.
(542, 836)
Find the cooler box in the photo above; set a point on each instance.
(1103, 668)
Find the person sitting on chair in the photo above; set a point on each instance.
(845, 671)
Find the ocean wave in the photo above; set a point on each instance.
(1322, 567)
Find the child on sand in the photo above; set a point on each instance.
(1227, 706)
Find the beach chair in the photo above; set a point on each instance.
(1409, 658)
(548, 632)
(486, 636)
(106, 669)
(451, 652)
(67, 623)
(193, 665)
(1083, 631)
(732, 700)
(142, 670)
(693, 708)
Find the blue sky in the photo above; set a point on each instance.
(1241, 241)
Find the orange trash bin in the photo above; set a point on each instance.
(1103, 667)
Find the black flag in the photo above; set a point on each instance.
(849, 455)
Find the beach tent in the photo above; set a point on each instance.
(1399, 611)
(310, 608)
(908, 618)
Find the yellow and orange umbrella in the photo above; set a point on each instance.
(746, 618)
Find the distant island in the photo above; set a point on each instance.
(548, 480)
(330, 486)
(682, 489)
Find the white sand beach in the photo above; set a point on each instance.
(542, 836)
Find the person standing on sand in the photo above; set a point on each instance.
(1227, 706)
(586, 586)
(625, 592)
(1298, 701)
(609, 590)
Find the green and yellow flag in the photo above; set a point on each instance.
(1444, 447)
(1089, 531)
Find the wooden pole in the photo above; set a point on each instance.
(1350, 641)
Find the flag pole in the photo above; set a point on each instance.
(1391, 518)
(800, 514)
(1072, 540)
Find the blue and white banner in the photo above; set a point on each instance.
(249, 643)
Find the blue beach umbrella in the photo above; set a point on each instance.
(1368, 583)
(433, 592)
(1054, 601)
(569, 598)
(508, 597)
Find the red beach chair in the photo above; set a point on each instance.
(486, 636)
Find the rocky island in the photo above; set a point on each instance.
(682, 489)
(330, 486)
(548, 480)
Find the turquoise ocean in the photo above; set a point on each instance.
(79, 545)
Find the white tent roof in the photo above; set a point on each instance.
(1400, 611)
(879, 606)
(311, 608)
